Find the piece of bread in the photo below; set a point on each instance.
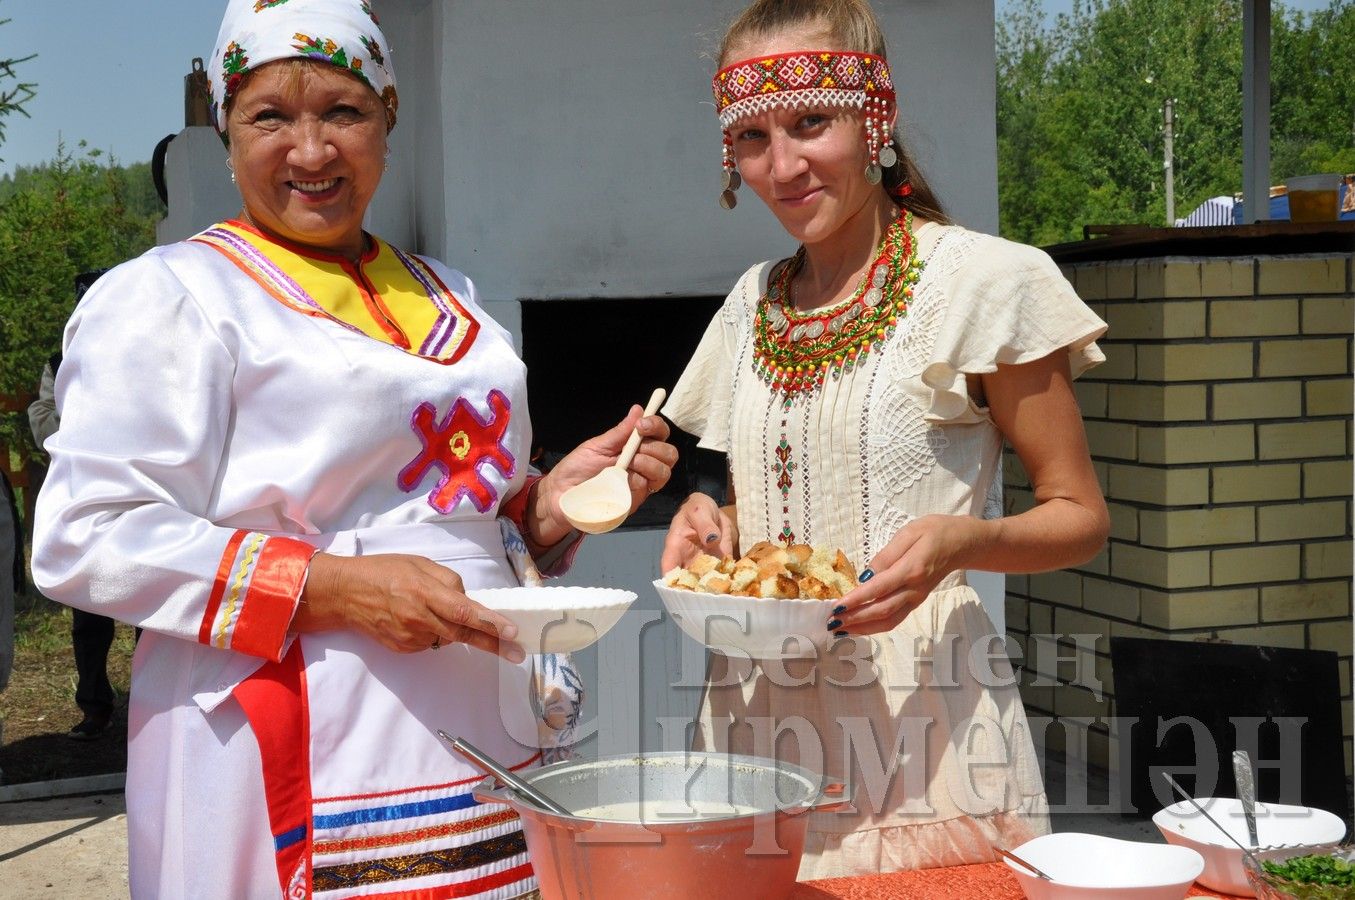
(813, 589)
(744, 575)
(842, 583)
(703, 563)
(769, 571)
(762, 550)
(843, 566)
(714, 582)
(781, 587)
(771, 567)
(680, 579)
(798, 557)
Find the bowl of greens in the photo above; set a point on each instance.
(1305, 873)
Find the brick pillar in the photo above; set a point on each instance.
(1220, 429)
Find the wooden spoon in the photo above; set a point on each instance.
(603, 502)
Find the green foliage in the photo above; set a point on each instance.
(1080, 107)
(1313, 869)
(72, 215)
(1313, 92)
(13, 92)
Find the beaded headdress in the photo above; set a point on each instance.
(804, 78)
(343, 33)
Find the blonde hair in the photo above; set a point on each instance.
(851, 25)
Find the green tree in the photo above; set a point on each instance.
(13, 92)
(1080, 107)
(56, 221)
(1313, 92)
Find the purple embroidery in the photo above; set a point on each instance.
(445, 325)
(458, 446)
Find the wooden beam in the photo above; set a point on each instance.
(1255, 110)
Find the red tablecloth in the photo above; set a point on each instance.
(987, 881)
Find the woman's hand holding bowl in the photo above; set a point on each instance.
(407, 603)
(909, 568)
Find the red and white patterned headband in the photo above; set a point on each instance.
(802, 78)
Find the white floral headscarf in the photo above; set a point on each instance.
(344, 33)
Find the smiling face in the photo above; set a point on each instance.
(308, 145)
(808, 163)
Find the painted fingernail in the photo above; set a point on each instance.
(839, 610)
(840, 633)
(866, 575)
(834, 624)
(712, 538)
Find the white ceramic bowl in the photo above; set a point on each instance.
(750, 626)
(1089, 865)
(1277, 825)
(557, 619)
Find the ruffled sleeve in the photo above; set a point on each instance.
(699, 402)
(1005, 304)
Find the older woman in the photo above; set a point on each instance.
(284, 447)
(863, 389)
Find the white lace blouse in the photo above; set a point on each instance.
(897, 436)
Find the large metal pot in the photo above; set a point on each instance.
(723, 824)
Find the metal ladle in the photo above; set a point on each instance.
(1212, 821)
(504, 774)
(1021, 862)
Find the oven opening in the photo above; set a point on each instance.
(589, 360)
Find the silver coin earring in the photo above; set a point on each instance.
(729, 178)
(889, 157)
(879, 140)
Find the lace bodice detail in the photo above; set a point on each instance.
(896, 436)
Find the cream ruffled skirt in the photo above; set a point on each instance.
(925, 723)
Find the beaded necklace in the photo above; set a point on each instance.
(793, 352)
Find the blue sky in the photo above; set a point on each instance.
(111, 73)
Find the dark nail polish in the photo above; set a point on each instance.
(835, 624)
(866, 575)
(839, 634)
(839, 610)
(712, 538)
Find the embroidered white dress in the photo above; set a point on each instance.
(936, 745)
(215, 432)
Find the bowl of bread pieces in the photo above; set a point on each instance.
(775, 601)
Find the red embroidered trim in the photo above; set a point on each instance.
(463, 888)
(307, 306)
(759, 82)
(793, 352)
(377, 842)
(515, 508)
(274, 701)
(272, 595)
(223, 574)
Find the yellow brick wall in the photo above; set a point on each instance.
(1220, 429)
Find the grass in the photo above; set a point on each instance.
(38, 708)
